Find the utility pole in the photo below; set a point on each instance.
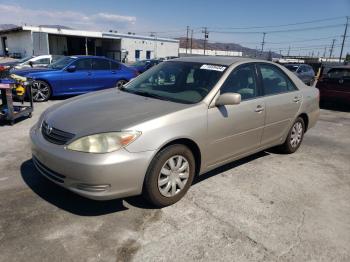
(206, 36)
(187, 30)
(191, 40)
(331, 50)
(288, 51)
(344, 36)
(324, 53)
(263, 43)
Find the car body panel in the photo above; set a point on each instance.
(222, 134)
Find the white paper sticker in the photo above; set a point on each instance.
(213, 67)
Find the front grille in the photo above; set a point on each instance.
(48, 172)
(54, 135)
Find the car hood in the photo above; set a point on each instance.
(31, 72)
(105, 111)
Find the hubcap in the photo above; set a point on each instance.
(173, 176)
(40, 91)
(297, 133)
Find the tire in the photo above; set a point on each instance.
(120, 83)
(41, 91)
(294, 138)
(163, 188)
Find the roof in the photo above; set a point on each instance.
(219, 60)
(85, 33)
(341, 67)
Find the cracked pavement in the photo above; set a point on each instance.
(267, 207)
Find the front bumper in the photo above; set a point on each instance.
(96, 176)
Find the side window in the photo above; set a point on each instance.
(100, 64)
(337, 73)
(274, 80)
(115, 66)
(42, 61)
(83, 64)
(241, 81)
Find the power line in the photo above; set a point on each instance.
(283, 25)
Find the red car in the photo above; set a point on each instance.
(335, 85)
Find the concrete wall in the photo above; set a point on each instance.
(158, 49)
(19, 42)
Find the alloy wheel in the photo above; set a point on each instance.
(173, 176)
(40, 91)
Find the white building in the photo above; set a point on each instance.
(209, 52)
(34, 40)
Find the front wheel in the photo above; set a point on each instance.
(41, 91)
(169, 175)
(295, 137)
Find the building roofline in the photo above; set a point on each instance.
(86, 33)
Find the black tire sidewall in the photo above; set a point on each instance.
(151, 191)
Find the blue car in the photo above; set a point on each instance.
(72, 75)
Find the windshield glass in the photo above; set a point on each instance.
(182, 82)
(62, 62)
(292, 68)
(25, 59)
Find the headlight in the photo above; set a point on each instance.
(104, 142)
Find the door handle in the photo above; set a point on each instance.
(296, 99)
(259, 109)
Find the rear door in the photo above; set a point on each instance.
(334, 84)
(78, 81)
(282, 102)
(102, 75)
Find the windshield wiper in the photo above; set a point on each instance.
(146, 94)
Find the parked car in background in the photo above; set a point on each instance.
(76, 75)
(334, 86)
(304, 72)
(144, 65)
(182, 118)
(29, 62)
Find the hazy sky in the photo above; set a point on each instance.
(225, 19)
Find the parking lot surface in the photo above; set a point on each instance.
(267, 207)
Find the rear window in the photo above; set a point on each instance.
(292, 68)
(338, 73)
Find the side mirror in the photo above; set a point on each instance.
(228, 99)
(71, 68)
(30, 63)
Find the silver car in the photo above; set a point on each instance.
(179, 119)
(305, 72)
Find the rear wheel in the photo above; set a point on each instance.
(120, 83)
(295, 137)
(41, 91)
(169, 175)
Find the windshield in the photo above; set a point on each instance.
(292, 68)
(25, 59)
(62, 62)
(182, 82)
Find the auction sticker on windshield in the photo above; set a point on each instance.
(213, 67)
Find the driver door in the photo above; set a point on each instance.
(234, 130)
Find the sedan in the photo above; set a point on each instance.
(144, 65)
(305, 72)
(178, 120)
(76, 75)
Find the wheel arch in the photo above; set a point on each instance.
(193, 146)
(305, 117)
